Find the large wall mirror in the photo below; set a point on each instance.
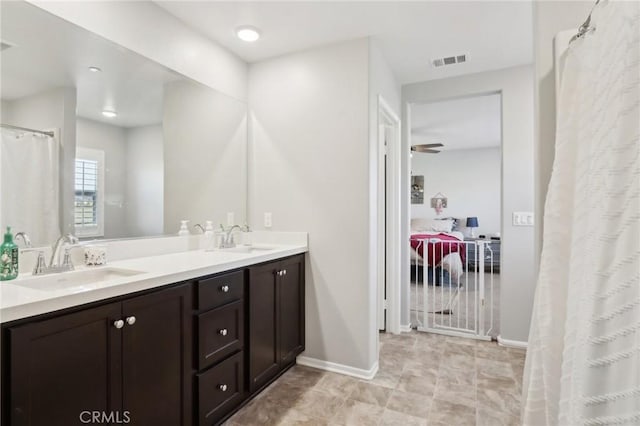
(104, 143)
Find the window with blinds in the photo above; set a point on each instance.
(86, 193)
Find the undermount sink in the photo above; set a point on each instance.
(75, 279)
(250, 249)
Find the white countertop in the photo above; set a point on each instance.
(18, 301)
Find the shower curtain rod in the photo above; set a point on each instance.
(586, 26)
(43, 132)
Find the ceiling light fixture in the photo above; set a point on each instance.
(109, 114)
(247, 33)
(94, 69)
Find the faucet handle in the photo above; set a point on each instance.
(66, 261)
(40, 262)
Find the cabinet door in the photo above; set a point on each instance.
(64, 366)
(291, 309)
(156, 357)
(263, 325)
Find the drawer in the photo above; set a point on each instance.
(221, 289)
(220, 389)
(220, 333)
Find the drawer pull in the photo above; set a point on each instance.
(118, 324)
(131, 320)
(222, 332)
(224, 289)
(284, 272)
(223, 388)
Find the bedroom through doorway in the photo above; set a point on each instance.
(455, 216)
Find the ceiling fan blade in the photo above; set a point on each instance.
(419, 148)
(430, 145)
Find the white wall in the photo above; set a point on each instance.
(309, 167)
(150, 31)
(205, 155)
(145, 180)
(550, 17)
(518, 269)
(53, 109)
(110, 139)
(470, 178)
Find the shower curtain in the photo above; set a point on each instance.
(29, 185)
(583, 358)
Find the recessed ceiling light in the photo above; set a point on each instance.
(109, 114)
(94, 69)
(247, 33)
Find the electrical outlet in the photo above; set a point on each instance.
(231, 220)
(522, 219)
(267, 219)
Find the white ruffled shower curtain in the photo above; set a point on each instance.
(583, 359)
(29, 185)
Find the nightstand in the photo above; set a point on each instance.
(490, 246)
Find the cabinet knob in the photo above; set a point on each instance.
(284, 272)
(223, 388)
(118, 324)
(222, 332)
(224, 289)
(131, 320)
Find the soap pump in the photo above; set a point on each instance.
(184, 228)
(209, 239)
(8, 257)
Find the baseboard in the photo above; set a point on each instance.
(338, 368)
(512, 343)
(405, 328)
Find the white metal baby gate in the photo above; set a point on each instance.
(456, 296)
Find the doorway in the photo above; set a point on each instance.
(456, 215)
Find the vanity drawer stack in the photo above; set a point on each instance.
(220, 334)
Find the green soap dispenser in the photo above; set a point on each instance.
(8, 257)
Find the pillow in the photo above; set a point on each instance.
(456, 222)
(431, 225)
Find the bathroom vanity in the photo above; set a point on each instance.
(187, 341)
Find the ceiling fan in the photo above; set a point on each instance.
(426, 148)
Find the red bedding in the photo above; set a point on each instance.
(436, 251)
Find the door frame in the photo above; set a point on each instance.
(389, 216)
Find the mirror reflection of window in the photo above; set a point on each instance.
(89, 193)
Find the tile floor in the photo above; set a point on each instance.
(423, 379)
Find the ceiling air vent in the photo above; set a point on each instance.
(450, 60)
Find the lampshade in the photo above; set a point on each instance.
(472, 222)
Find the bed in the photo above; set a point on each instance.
(434, 240)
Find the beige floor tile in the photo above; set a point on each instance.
(421, 367)
(371, 394)
(507, 402)
(486, 417)
(458, 362)
(394, 418)
(387, 377)
(448, 413)
(494, 368)
(318, 404)
(410, 403)
(336, 384)
(295, 418)
(301, 376)
(455, 376)
(424, 385)
(459, 349)
(260, 412)
(456, 393)
(488, 381)
(356, 413)
(493, 351)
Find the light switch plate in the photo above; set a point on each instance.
(267, 219)
(522, 219)
(231, 219)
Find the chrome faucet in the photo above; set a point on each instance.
(25, 238)
(54, 266)
(197, 225)
(227, 236)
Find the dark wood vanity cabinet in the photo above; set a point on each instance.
(186, 354)
(129, 360)
(276, 318)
